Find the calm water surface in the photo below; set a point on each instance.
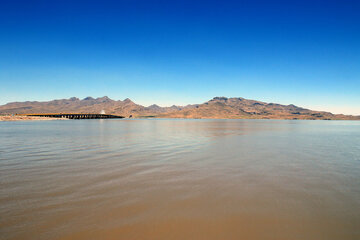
(180, 179)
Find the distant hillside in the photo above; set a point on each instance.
(218, 107)
(86, 105)
(234, 108)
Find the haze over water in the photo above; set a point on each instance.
(180, 179)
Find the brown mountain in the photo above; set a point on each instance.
(234, 108)
(218, 107)
(75, 105)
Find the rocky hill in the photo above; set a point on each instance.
(218, 107)
(86, 105)
(234, 108)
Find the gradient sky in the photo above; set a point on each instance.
(305, 53)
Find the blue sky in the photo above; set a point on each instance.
(305, 53)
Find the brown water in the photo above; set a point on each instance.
(180, 179)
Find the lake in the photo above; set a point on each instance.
(180, 179)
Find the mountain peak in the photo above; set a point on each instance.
(88, 98)
(154, 106)
(103, 99)
(219, 99)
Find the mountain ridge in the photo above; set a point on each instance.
(217, 107)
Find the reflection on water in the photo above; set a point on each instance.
(180, 179)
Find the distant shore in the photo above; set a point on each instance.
(215, 108)
(11, 118)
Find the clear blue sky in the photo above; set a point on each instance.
(177, 52)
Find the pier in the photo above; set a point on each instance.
(74, 115)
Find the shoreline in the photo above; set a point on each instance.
(13, 118)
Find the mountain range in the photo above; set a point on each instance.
(218, 107)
